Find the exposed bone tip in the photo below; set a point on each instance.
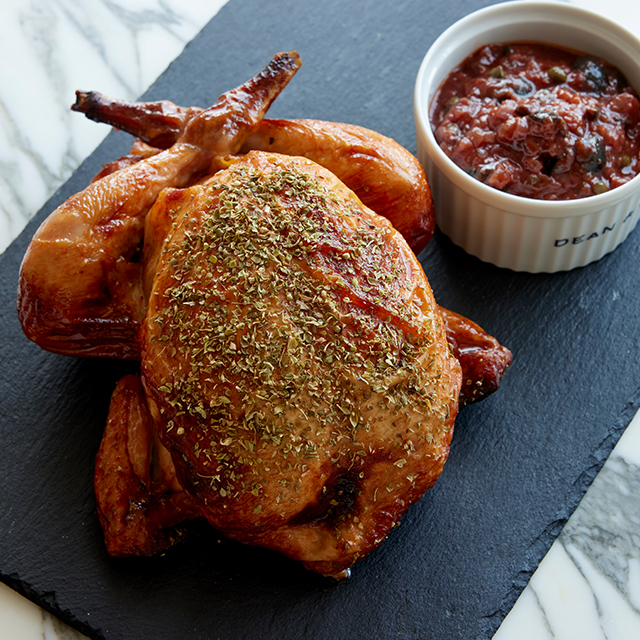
(82, 100)
(288, 59)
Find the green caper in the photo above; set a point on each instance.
(497, 72)
(451, 101)
(557, 75)
(625, 161)
(600, 187)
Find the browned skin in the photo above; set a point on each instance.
(384, 175)
(139, 499)
(159, 124)
(303, 383)
(95, 234)
(295, 364)
(483, 359)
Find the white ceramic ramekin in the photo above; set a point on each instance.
(511, 231)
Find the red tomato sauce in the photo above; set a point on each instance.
(539, 121)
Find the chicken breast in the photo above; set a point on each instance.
(295, 362)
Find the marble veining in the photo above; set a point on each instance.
(613, 524)
(118, 47)
(50, 48)
(588, 585)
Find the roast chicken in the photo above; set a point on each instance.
(298, 383)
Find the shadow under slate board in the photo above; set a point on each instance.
(520, 460)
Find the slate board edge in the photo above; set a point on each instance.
(535, 555)
(47, 601)
(547, 537)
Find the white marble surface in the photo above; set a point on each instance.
(588, 586)
(118, 47)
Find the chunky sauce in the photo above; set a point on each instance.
(539, 121)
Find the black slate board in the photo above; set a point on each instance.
(520, 460)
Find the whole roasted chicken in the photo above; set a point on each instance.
(298, 383)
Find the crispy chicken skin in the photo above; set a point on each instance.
(295, 362)
(139, 499)
(298, 383)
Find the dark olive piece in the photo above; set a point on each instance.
(595, 74)
(598, 158)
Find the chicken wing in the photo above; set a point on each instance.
(139, 499)
(483, 359)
